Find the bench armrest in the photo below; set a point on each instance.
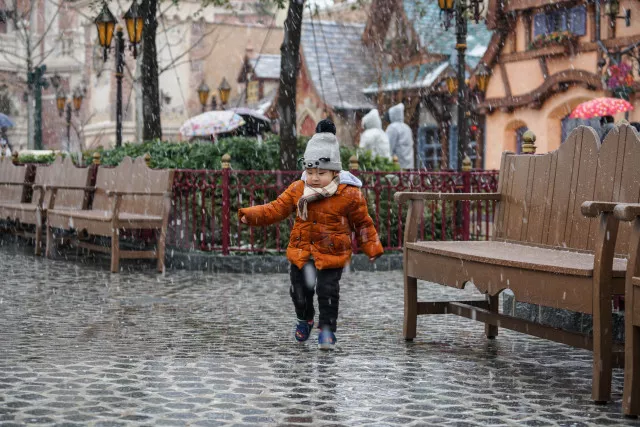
(402, 197)
(593, 209)
(627, 211)
(112, 193)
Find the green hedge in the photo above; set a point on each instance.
(246, 154)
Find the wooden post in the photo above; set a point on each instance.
(529, 146)
(226, 203)
(466, 183)
(353, 163)
(14, 157)
(96, 158)
(147, 159)
(396, 162)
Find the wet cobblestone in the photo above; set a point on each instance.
(79, 346)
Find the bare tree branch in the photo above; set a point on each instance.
(175, 60)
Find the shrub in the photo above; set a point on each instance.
(246, 154)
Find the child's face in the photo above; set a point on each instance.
(318, 178)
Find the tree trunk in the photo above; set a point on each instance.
(290, 62)
(150, 86)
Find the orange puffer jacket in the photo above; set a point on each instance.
(326, 234)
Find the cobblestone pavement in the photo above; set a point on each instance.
(79, 346)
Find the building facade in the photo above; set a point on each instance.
(548, 57)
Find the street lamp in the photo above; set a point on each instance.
(482, 77)
(105, 23)
(203, 95)
(64, 106)
(224, 90)
(612, 8)
(461, 9)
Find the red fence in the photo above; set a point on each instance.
(204, 214)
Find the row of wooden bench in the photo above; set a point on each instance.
(92, 201)
(566, 235)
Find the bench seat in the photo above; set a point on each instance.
(516, 255)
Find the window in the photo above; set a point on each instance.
(573, 20)
(429, 148)
(567, 125)
(519, 140)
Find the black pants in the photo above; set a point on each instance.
(327, 285)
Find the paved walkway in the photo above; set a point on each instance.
(79, 346)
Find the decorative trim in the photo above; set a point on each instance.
(514, 5)
(526, 19)
(505, 79)
(553, 84)
(560, 50)
(543, 67)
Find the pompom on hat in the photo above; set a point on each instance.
(326, 125)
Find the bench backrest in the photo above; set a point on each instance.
(135, 176)
(63, 172)
(15, 174)
(542, 194)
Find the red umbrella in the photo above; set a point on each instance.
(600, 107)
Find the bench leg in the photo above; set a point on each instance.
(38, 234)
(162, 240)
(49, 245)
(491, 331)
(115, 250)
(631, 396)
(410, 307)
(602, 349)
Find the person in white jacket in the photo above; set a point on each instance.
(374, 138)
(400, 137)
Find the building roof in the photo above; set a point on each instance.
(337, 63)
(424, 15)
(266, 66)
(426, 20)
(411, 77)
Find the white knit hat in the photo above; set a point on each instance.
(323, 151)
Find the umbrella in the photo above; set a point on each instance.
(256, 122)
(600, 107)
(5, 122)
(211, 123)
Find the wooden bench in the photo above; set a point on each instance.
(61, 172)
(15, 186)
(543, 248)
(631, 395)
(130, 196)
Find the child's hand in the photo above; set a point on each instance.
(243, 219)
(373, 259)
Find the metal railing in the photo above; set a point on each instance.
(205, 205)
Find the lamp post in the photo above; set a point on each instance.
(224, 90)
(106, 23)
(65, 106)
(203, 95)
(460, 9)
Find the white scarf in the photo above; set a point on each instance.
(311, 194)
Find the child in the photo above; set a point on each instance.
(329, 207)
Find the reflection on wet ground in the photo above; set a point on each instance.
(80, 346)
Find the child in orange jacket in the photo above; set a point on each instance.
(329, 206)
